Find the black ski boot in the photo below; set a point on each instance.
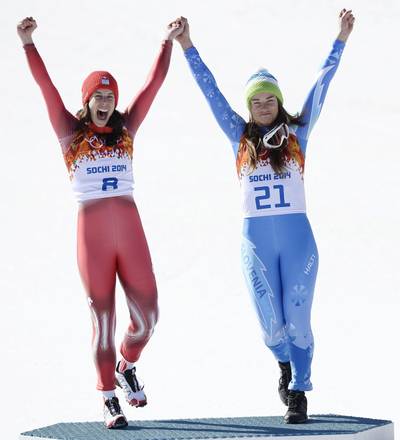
(297, 411)
(286, 377)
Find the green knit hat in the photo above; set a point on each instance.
(262, 82)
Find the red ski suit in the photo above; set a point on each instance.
(111, 239)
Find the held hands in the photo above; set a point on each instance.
(184, 37)
(174, 29)
(346, 22)
(25, 29)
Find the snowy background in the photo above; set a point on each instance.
(206, 358)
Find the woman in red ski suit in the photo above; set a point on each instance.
(97, 145)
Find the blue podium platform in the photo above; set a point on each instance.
(319, 427)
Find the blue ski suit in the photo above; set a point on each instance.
(279, 254)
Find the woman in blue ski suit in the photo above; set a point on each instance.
(279, 254)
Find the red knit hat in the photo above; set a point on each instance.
(99, 80)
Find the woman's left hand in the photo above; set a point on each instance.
(346, 20)
(174, 29)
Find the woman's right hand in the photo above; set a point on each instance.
(25, 29)
(184, 38)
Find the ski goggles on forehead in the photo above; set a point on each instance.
(275, 137)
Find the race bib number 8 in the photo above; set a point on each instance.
(110, 183)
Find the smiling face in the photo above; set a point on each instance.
(101, 106)
(264, 108)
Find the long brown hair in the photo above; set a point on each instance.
(252, 141)
(116, 122)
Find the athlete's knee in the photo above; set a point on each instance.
(274, 336)
(143, 319)
(300, 335)
(137, 334)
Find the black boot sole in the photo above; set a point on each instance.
(295, 420)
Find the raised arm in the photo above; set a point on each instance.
(229, 121)
(63, 122)
(316, 97)
(140, 105)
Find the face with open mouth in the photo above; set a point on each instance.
(101, 106)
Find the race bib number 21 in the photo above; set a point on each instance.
(265, 194)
